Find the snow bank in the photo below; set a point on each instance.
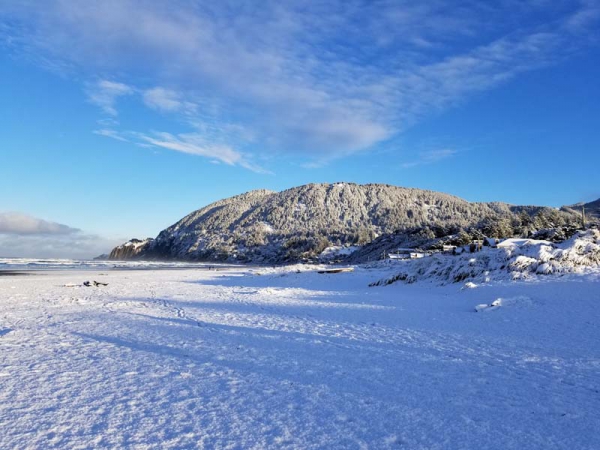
(515, 259)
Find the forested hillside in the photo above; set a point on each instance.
(299, 223)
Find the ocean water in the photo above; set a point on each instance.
(30, 264)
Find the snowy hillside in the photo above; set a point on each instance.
(300, 223)
(592, 209)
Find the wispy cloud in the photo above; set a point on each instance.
(105, 93)
(585, 16)
(108, 122)
(167, 100)
(430, 157)
(324, 80)
(196, 144)
(113, 134)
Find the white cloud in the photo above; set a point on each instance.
(22, 235)
(105, 94)
(76, 246)
(114, 134)
(15, 223)
(167, 100)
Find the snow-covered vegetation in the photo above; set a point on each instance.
(513, 259)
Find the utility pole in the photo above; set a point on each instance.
(583, 217)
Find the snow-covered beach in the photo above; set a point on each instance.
(289, 358)
(314, 225)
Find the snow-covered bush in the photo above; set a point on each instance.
(515, 259)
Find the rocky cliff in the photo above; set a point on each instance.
(131, 249)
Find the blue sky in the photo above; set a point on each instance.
(119, 117)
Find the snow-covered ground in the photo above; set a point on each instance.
(288, 358)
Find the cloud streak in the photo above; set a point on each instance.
(167, 100)
(105, 93)
(197, 144)
(430, 157)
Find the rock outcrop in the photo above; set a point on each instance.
(131, 249)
